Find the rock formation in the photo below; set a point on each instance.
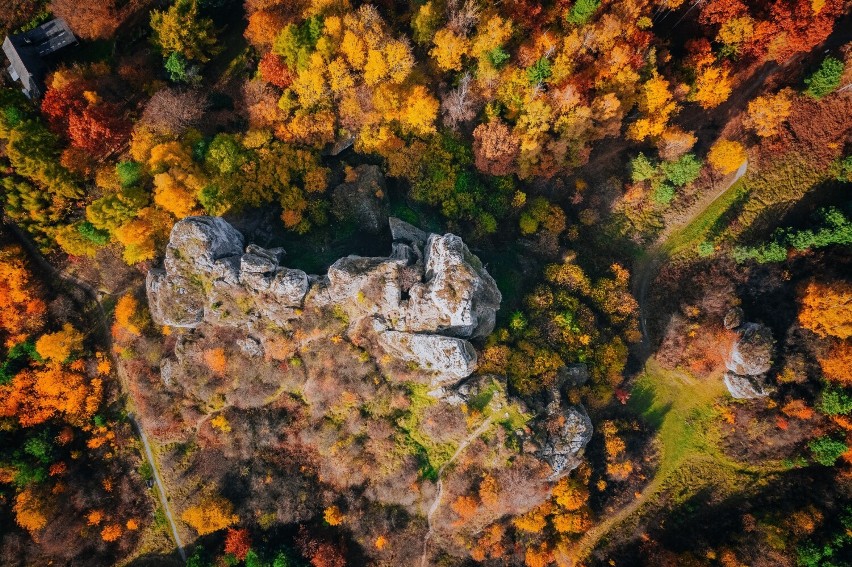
(419, 305)
(750, 358)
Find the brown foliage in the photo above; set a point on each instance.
(171, 112)
(495, 148)
(320, 553)
(96, 20)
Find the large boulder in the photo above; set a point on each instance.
(458, 297)
(450, 359)
(750, 358)
(563, 447)
(363, 200)
(751, 354)
(746, 387)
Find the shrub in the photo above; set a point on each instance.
(129, 173)
(642, 168)
(683, 171)
(827, 450)
(726, 156)
(835, 402)
(825, 79)
(539, 71)
(664, 194)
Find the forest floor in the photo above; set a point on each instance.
(100, 325)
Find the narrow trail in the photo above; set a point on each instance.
(646, 268)
(161, 489)
(103, 325)
(440, 485)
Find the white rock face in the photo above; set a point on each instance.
(749, 361)
(458, 297)
(424, 300)
(746, 387)
(450, 358)
(563, 451)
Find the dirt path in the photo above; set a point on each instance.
(106, 338)
(440, 485)
(161, 488)
(645, 272)
(646, 268)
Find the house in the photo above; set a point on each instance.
(27, 51)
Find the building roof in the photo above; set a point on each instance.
(26, 51)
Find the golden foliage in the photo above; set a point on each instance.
(126, 314)
(216, 360)
(449, 48)
(221, 423)
(333, 516)
(29, 511)
(837, 363)
(212, 514)
(767, 112)
(826, 309)
(111, 532)
(59, 346)
(20, 298)
(726, 156)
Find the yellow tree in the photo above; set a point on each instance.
(826, 309)
(767, 112)
(211, 514)
(59, 346)
(449, 49)
(726, 156)
(712, 86)
(657, 105)
(182, 29)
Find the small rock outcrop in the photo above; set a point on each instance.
(363, 200)
(419, 305)
(750, 358)
(563, 449)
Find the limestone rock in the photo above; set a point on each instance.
(405, 232)
(751, 354)
(363, 200)
(733, 318)
(422, 302)
(458, 297)
(450, 358)
(573, 375)
(563, 450)
(746, 387)
(750, 358)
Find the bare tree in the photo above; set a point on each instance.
(458, 105)
(462, 17)
(172, 111)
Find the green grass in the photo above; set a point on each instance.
(681, 410)
(710, 223)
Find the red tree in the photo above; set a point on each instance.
(273, 70)
(238, 543)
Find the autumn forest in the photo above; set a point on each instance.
(426, 282)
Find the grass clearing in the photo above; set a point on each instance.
(710, 223)
(682, 410)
